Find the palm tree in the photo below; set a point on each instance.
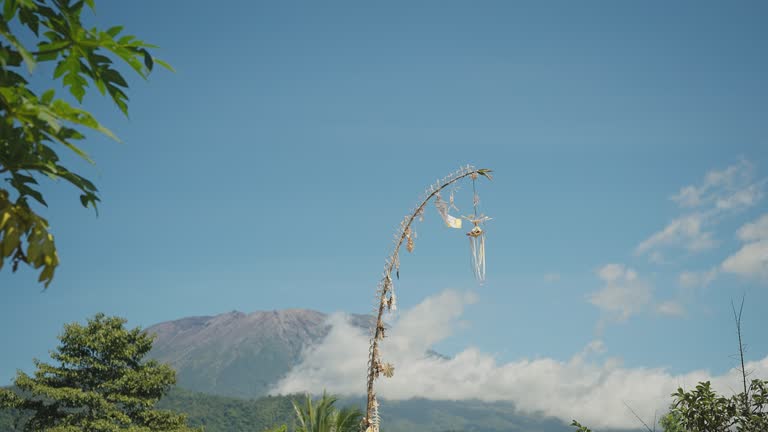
(322, 416)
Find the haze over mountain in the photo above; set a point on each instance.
(239, 354)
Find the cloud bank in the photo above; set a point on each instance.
(594, 392)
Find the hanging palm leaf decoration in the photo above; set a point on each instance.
(477, 234)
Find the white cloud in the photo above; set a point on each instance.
(751, 261)
(685, 231)
(757, 230)
(552, 277)
(656, 257)
(670, 308)
(581, 388)
(725, 189)
(743, 198)
(688, 196)
(623, 293)
(692, 279)
(688, 280)
(728, 190)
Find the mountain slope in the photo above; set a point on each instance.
(238, 354)
(224, 414)
(227, 414)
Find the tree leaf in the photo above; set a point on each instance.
(30, 62)
(114, 31)
(74, 148)
(147, 60)
(47, 96)
(9, 9)
(164, 64)
(46, 275)
(32, 121)
(485, 173)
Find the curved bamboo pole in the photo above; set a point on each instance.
(375, 366)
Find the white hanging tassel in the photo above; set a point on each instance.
(477, 250)
(477, 235)
(480, 272)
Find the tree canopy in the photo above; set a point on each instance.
(102, 383)
(35, 127)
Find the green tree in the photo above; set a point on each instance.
(670, 422)
(322, 416)
(102, 383)
(34, 127)
(703, 410)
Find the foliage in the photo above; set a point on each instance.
(579, 427)
(223, 414)
(702, 410)
(34, 126)
(11, 420)
(670, 422)
(102, 383)
(322, 416)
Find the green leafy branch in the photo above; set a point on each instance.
(33, 127)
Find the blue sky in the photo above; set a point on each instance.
(271, 169)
